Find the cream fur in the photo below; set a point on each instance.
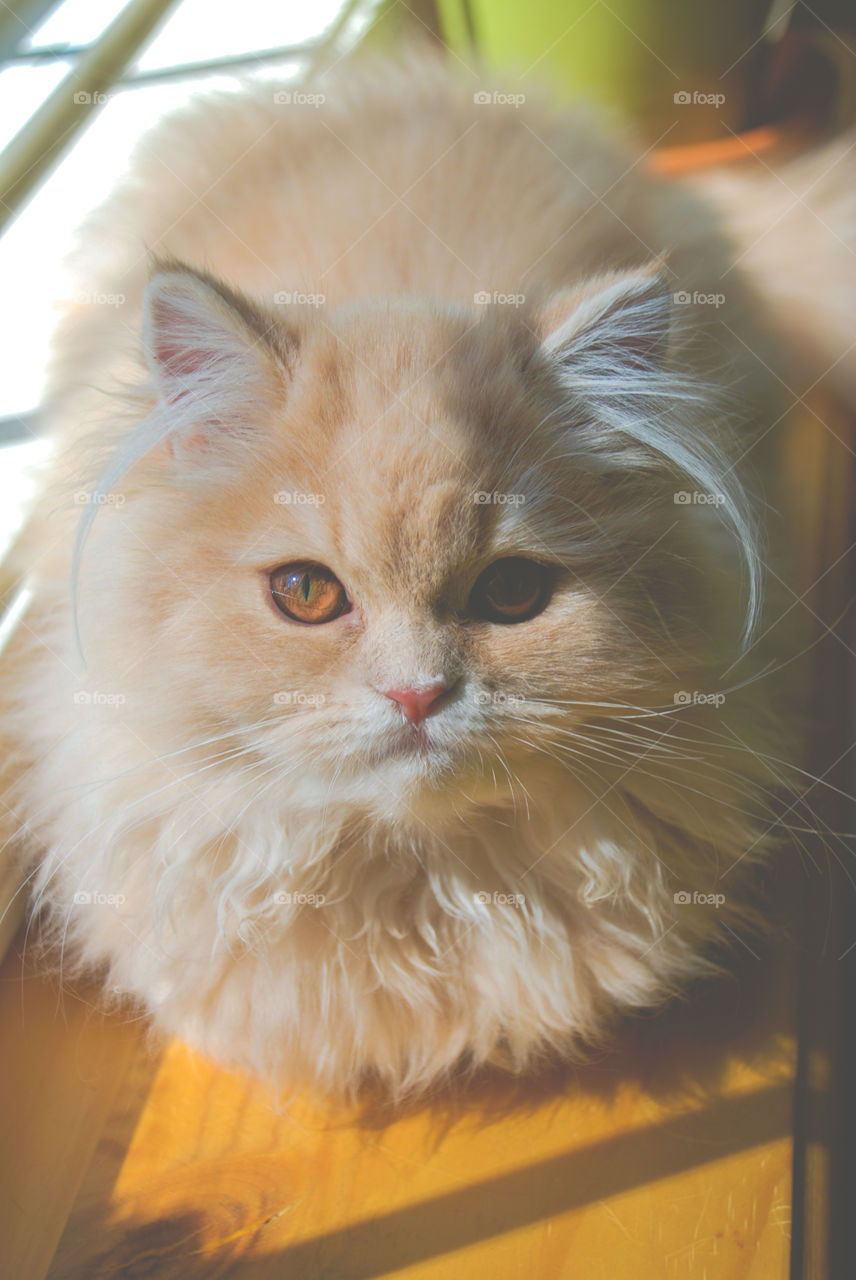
(222, 758)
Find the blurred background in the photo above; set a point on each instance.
(80, 80)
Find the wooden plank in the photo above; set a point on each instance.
(61, 1067)
(669, 1157)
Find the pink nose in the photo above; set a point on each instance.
(418, 703)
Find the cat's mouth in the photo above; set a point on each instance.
(411, 743)
(414, 743)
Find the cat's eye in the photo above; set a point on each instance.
(513, 589)
(308, 593)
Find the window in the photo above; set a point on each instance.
(197, 45)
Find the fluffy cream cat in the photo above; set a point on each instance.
(374, 714)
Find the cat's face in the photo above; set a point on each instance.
(376, 544)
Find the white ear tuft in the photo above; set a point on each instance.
(614, 326)
(606, 344)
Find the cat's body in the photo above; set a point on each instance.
(269, 854)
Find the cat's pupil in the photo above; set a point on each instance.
(513, 589)
(308, 593)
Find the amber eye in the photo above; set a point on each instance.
(512, 590)
(308, 593)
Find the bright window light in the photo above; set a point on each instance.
(33, 249)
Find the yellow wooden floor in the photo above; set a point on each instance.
(668, 1158)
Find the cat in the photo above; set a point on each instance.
(376, 712)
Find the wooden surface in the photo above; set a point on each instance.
(668, 1158)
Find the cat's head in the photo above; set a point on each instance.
(406, 548)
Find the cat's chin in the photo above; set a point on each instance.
(401, 775)
(414, 745)
(429, 782)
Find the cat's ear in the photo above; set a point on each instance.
(212, 356)
(614, 326)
